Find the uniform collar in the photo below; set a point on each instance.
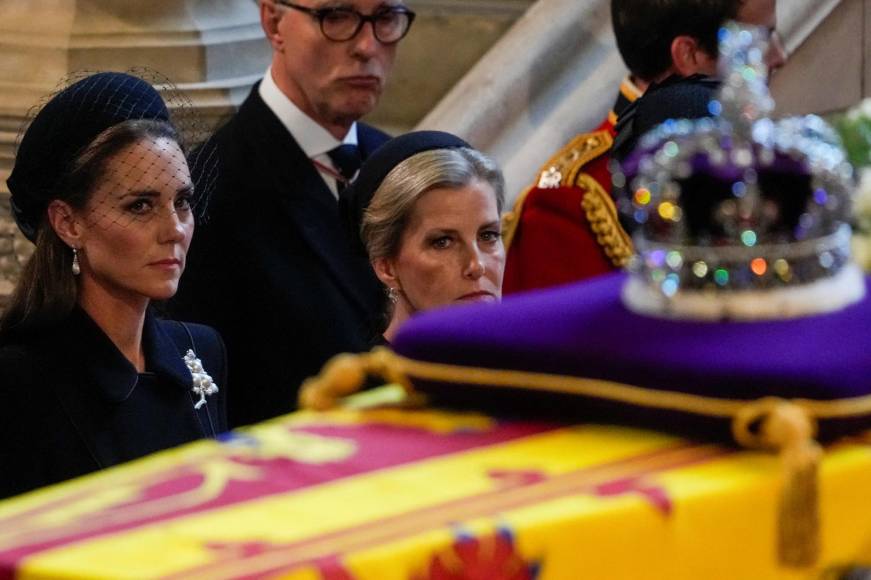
(628, 94)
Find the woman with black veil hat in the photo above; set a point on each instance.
(425, 209)
(89, 376)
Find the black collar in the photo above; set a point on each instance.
(621, 104)
(110, 373)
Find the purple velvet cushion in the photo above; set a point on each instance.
(583, 330)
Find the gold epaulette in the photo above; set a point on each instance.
(561, 170)
(602, 215)
(572, 158)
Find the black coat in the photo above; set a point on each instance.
(272, 268)
(71, 403)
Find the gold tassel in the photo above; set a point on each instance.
(790, 429)
(345, 374)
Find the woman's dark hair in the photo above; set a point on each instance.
(47, 292)
(645, 29)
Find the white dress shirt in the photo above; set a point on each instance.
(314, 140)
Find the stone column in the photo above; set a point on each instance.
(826, 55)
(554, 74)
(447, 39)
(213, 50)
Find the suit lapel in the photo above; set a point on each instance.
(306, 200)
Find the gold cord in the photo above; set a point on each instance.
(784, 426)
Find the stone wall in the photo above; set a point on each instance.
(554, 74)
(447, 39)
(828, 69)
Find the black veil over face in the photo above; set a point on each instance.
(70, 120)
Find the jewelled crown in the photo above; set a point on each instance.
(737, 215)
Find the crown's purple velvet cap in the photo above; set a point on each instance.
(727, 171)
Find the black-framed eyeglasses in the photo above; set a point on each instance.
(389, 24)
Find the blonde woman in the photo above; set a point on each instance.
(426, 207)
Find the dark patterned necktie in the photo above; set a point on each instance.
(347, 160)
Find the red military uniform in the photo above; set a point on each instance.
(565, 227)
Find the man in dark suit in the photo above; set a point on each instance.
(271, 266)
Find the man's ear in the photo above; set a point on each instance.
(270, 16)
(62, 220)
(689, 58)
(385, 269)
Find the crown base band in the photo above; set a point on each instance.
(818, 297)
